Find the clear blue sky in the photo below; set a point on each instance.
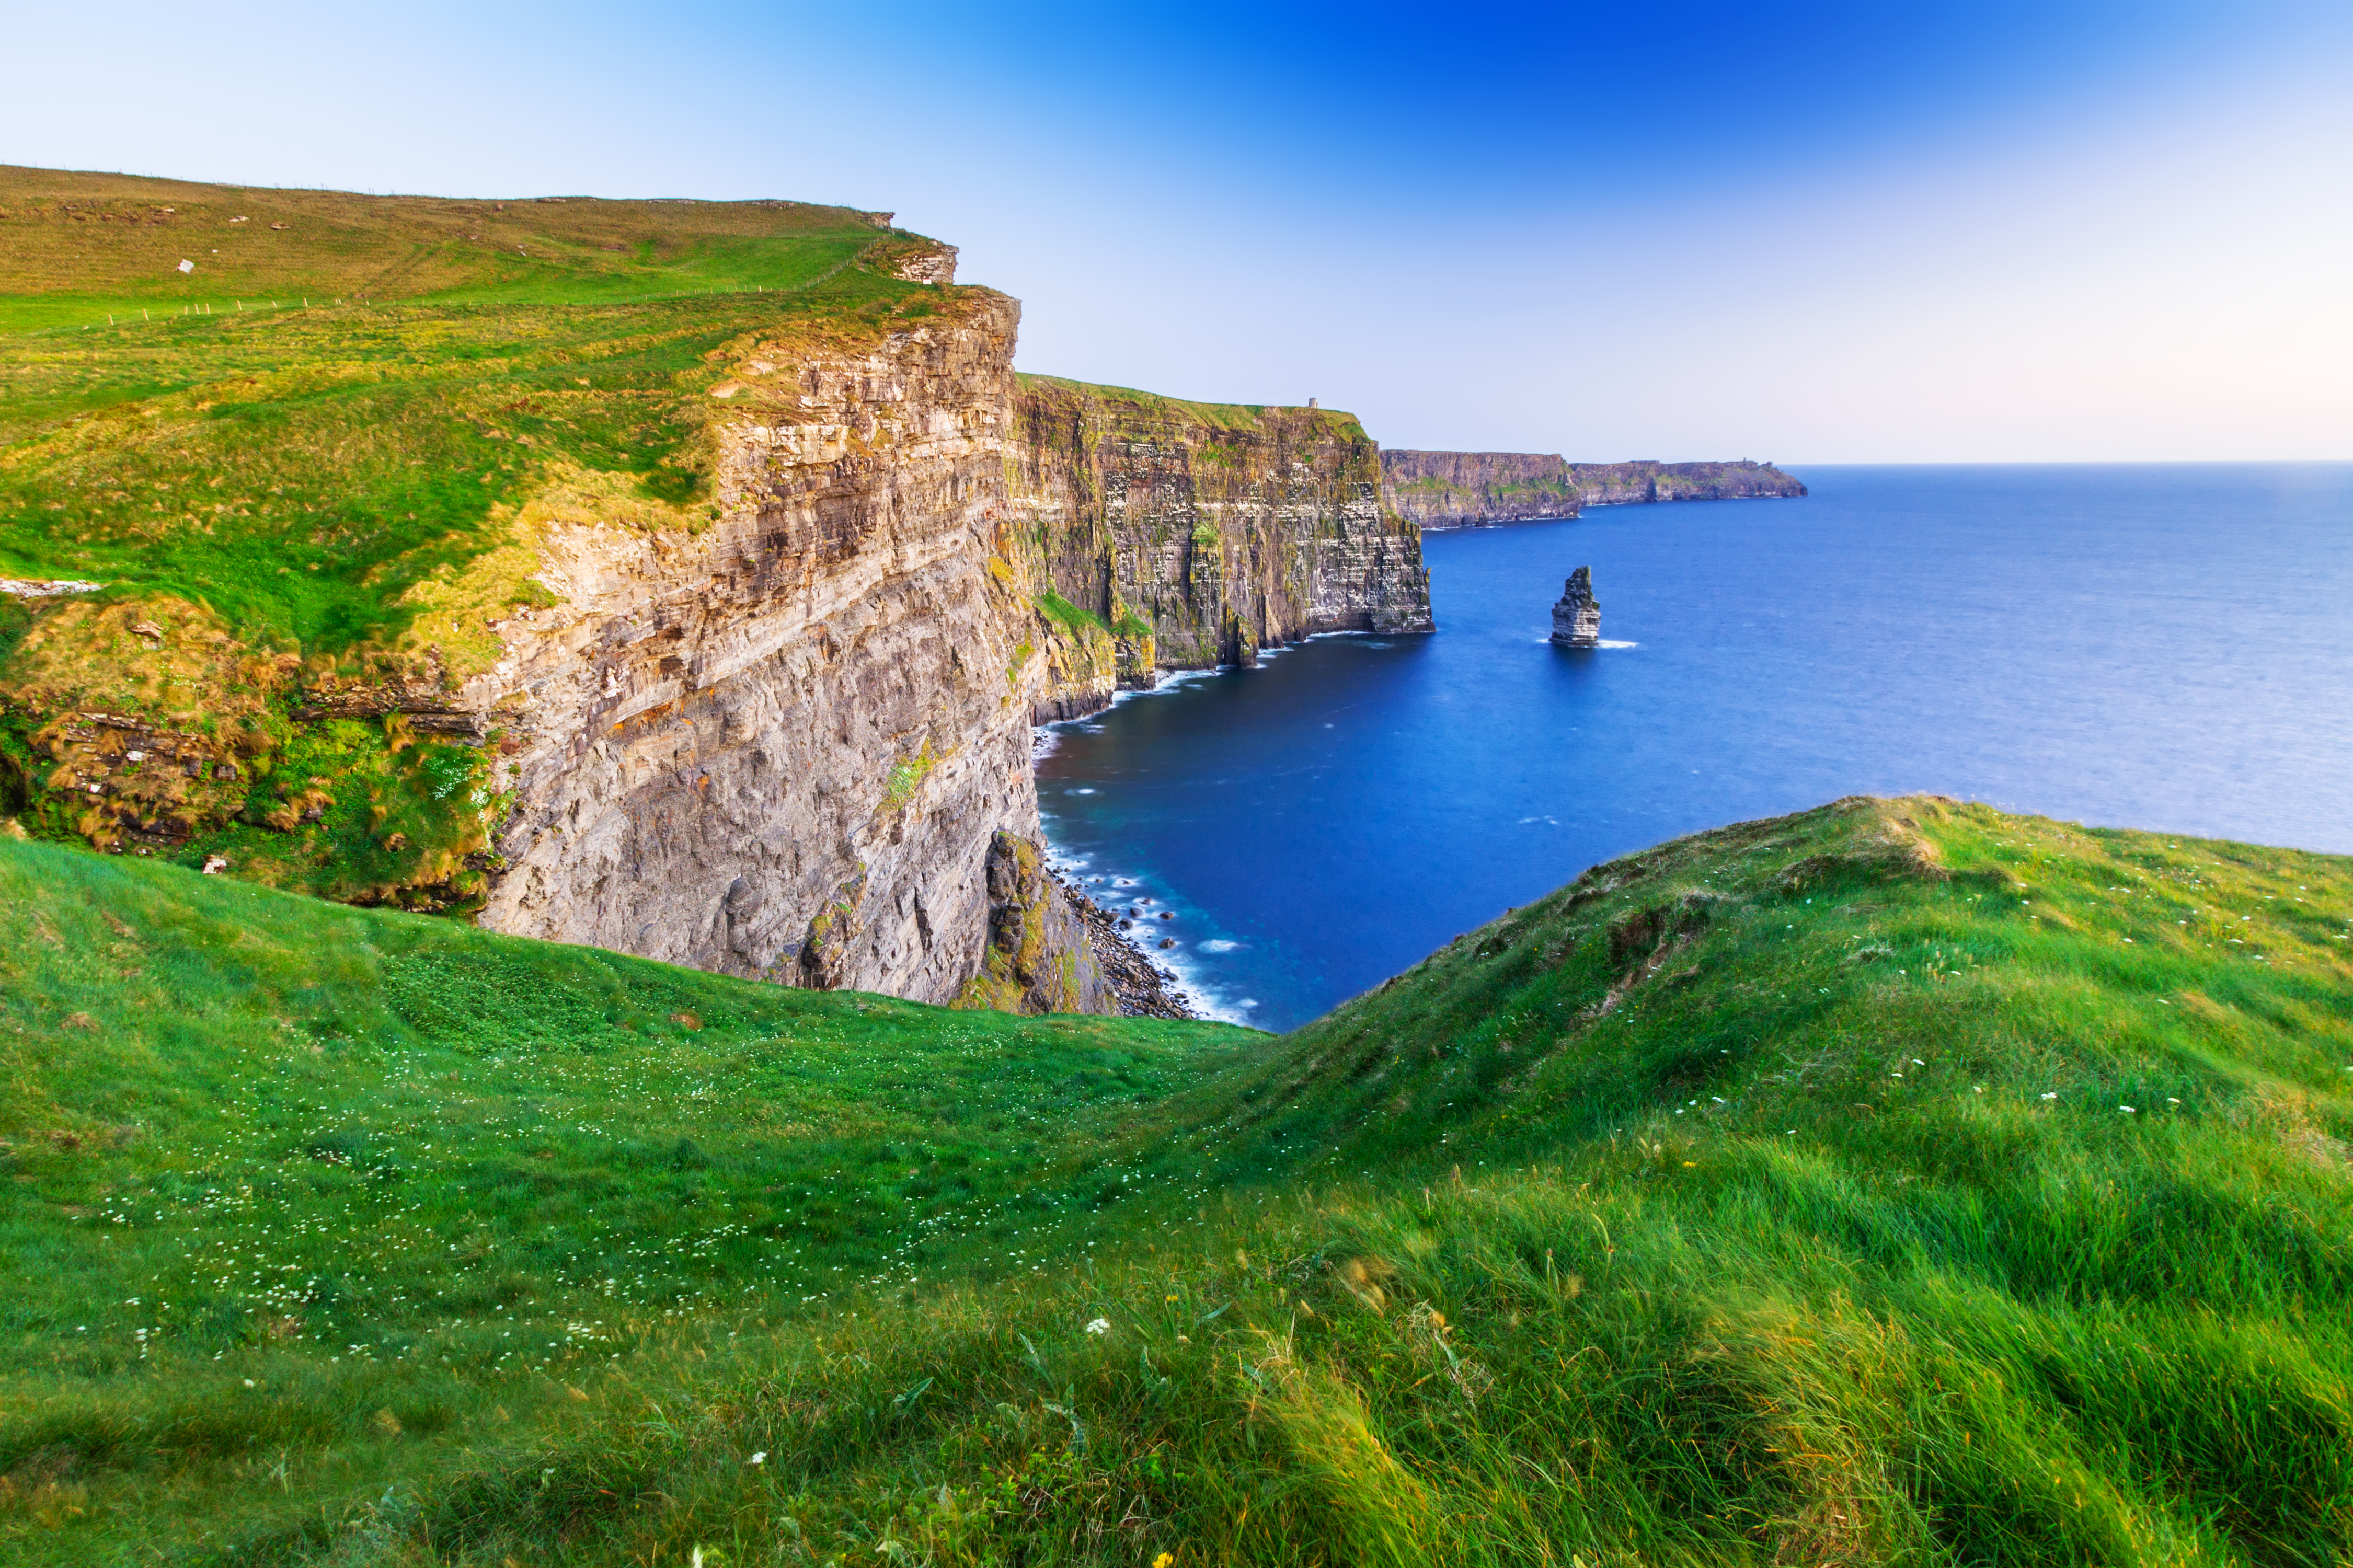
(1831, 232)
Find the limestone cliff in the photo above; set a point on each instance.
(1160, 534)
(1620, 484)
(784, 746)
(1464, 490)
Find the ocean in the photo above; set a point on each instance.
(2167, 647)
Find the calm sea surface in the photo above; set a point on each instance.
(2165, 647)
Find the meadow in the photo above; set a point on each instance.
(1900, 1181)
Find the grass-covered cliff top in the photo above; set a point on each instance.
(326, 456)
(330, 414)
(1898, 1181)
(1116, 406)
(81, 245)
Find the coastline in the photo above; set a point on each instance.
(1144, 989)
(1148, 984)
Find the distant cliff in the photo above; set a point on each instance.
(1465, 490)
(1159, 535)
(1618, 484)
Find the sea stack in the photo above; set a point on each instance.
(1577, 619)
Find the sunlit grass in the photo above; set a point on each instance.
(1772, 1196)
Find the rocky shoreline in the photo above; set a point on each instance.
(1144, 989)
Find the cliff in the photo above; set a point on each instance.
(707, 626)
(1465, 490)
(661, 621)
(783, 745)
(1161, 534)
(1620, 484)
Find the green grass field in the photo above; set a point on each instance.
(323, 459)
(1897, 1182)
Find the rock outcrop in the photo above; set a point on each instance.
(1040, 957)
(1577, 618)
(1159, 535)
(1469, 490)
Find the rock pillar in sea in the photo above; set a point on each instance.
(1577, 619)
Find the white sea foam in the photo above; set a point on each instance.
(1082, 791)
(1607, 643)
(1220, 944)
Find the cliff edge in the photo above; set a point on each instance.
(1473, 489)
(1164, 535)
(503, 567)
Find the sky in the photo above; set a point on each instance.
(1836, 232)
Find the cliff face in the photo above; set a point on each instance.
(785, 746)
(1465, 490)
(1162, 534)
(1618, 484)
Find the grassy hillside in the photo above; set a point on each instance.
(1894, 1182)
(79, 247)
(322, 460)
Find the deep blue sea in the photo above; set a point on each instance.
(2166, 646)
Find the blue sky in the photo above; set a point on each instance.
(1835, 232)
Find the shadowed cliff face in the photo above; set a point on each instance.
(1468, 489)
(782, 747)
(1194, 534)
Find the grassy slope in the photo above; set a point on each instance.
(343, 492)
(374, 1162)
(1769, 1196)
(80, 246)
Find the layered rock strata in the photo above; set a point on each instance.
(1577, 618)
(1624, 484)
(797, 744)
(1469, 490)
(785, 746)
(1159, 535)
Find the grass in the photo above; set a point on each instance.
(1114, 406)
(322, 463)
(1899, 1181)
(81, 245)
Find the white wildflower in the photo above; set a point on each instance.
(1100, 1326)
